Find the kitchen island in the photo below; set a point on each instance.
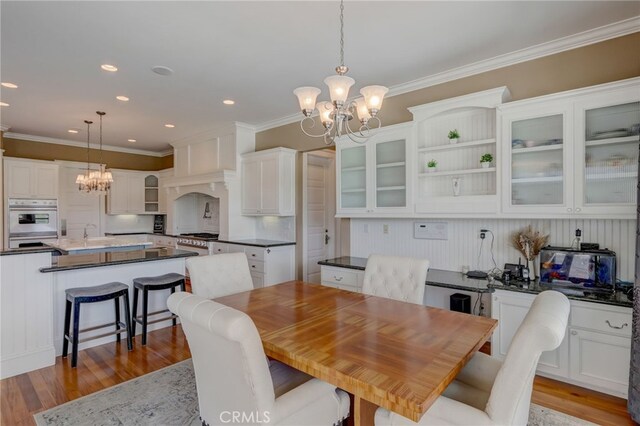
(32, 297)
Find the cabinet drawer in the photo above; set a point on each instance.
(220, 248)
(605, 320)
(235, 248)
(258, 279)
(254, 253)
(340, 276)
(256, 266)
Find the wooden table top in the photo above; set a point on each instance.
(396, 355)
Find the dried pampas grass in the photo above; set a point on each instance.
(529, 242)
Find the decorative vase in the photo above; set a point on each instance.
(485, 164)
(431, 169)
(455, 182)
(453, 141)
(535, 268)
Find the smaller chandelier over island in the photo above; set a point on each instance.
(95, 181)
(335, 115)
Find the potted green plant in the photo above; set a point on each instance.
(485, 160)
(453, 136)
(432, 165)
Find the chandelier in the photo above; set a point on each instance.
(95, 181)
(335, 115)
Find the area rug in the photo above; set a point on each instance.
(168, 397)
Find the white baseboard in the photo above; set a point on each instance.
(25, 362)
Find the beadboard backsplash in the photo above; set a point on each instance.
(461, 248)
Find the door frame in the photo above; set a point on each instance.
(331, 185)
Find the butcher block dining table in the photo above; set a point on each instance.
(384, 352)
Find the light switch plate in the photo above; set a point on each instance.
(431, 230)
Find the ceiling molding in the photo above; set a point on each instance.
(585, 38)
(67, 142)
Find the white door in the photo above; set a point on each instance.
(319, 212)
(76, 209)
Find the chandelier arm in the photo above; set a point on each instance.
(309, 134)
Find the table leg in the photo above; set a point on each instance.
(364, 412)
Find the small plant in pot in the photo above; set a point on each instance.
(485, 160)
(432, 166)
(453, 136)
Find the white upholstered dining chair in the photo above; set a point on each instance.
(490, 392)
(233, 375)
(219, 275)
(395, 277)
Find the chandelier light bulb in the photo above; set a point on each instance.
(339, 86)
(325, 109)
(307, 98)
(373, 96)
(362, 110)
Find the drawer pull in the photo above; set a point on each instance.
(253, 266)
(337, 278)
(253, 255)
(616, 327)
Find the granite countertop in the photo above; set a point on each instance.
(618, 298)
(94, 243)
(435, 277)
(93, 260)
(27, 250)
(257, 242)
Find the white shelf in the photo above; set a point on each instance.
(390, 188)
(457, 145)
(352, 169)
(542, 148)
(384, 166)
(610, 141)
(350, 191)
(458, 172)
(606, 176)
(541, 179)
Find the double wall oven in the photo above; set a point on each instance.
(32, 222)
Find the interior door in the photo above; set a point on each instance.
(320, 212)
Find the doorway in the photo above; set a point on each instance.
(321, 235)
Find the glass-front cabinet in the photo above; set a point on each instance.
(607, 175)
(539, 168)
(373, 177)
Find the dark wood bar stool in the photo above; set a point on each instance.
(79, 295)
(147, 284)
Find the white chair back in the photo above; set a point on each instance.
(542, 329)
(394, 277)
(231, 368)
(219, 275)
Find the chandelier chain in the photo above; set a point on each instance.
(342, 32)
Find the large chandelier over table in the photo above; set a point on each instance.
(335, 115)
(95, 181)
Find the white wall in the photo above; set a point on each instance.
(464, 240)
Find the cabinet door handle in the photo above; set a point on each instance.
(253, 255)
(574, 333)
(337, 278)
(253, 266)
(616, 327)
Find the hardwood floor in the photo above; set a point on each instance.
(107, 365)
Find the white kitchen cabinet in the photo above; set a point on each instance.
(375, 178)
(596, 349)
(573, 154)
(30, 178)
(342, 278)
(267, 265)
(127, 194)
(163, 175)
(268, 182)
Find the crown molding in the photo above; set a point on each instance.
(77, 144)
(585, 38)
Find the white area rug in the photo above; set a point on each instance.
(168, 397)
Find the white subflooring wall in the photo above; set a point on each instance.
(461, 248)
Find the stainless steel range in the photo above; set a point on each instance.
(200, 242)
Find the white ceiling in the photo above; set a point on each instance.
(253, 52)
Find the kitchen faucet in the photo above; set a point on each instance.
(88, 225)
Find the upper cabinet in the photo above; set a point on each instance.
(374, 177)
(573, 154)
(30, 179)
(133, 192)
(453, 137)
(268, 182)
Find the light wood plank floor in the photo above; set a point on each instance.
(107, 365)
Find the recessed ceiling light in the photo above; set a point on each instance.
(110, 68)
(171, 126)
(9, 85)
(122, 98)
(228, 102)
(162, 70)
(4, 104)
(72, 131)
(131, 140)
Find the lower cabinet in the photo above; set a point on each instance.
(267, 265)
(595, 352)
(342, 278)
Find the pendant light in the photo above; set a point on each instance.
(97, 181)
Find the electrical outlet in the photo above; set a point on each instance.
(385, 229)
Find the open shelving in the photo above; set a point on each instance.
(458, 172)
(459, 145)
